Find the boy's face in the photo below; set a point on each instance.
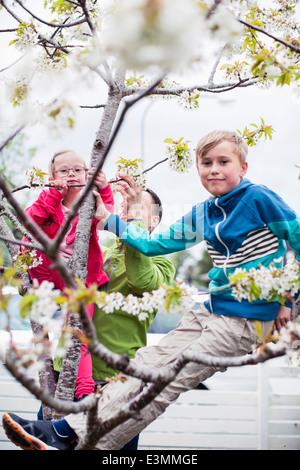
(220, 169)
(70, 161)
(146, 212)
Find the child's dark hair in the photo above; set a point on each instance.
(157, 203)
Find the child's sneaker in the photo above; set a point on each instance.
(34, 435)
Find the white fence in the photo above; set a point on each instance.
(249, 408)
(254, 407)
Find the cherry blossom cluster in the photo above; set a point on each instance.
(289, 338)
(59, 115)
(179, 154)
(189, 99)
(27, 36)
(259, 55)
(157, 33)
(35, 177)
(28, 259)
(132, 168)
(46, 306)
(171, 299)
(267, 282)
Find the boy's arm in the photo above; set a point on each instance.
(145, 274)
(278, 216)
(283, 221)
(183, 234)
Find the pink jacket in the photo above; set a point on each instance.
(46, 211)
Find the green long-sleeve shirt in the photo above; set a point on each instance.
(129, 272)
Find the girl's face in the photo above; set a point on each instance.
(220, 169)
(69, 166)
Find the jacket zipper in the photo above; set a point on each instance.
(218, 235)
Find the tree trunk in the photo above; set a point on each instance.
(46, 374)
(78, 262)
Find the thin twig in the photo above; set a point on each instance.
(11, 137)
(14, 63)
(2, 2)
(213, 9)
(87, 16)
(21, 243)
(272, 36)
(52, 25)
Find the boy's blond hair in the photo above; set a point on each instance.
(52, 161)
(214, 138)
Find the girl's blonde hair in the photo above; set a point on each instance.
(214, 138)
(52, 161)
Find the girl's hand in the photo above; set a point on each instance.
(101, 213)
(59, 185)
(100, 180)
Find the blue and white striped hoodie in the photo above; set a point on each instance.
(244, 228)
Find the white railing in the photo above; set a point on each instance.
(257, 407)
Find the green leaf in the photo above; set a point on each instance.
(255, 290)
(259, 330)
(26, 304)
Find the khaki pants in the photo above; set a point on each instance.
(202, 332)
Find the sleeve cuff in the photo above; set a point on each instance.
(115, 225)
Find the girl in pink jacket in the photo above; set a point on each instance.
(49, 211)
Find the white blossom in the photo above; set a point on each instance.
(150, 302)
(45, 309)
(46, 63)
(35, 177)
(27, 36)
(163, 33)
(58, 116)
(224, 25)
(179, 155)
(289, 337)
(189, 99)
(132, 168)
(266, 282)
(28, 259)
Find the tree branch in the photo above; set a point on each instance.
(213, 9)
(87, 16)
(2, 2)
(209, 88)
(272, 36)
(11, 137)
(4, 211)
(52, 25)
